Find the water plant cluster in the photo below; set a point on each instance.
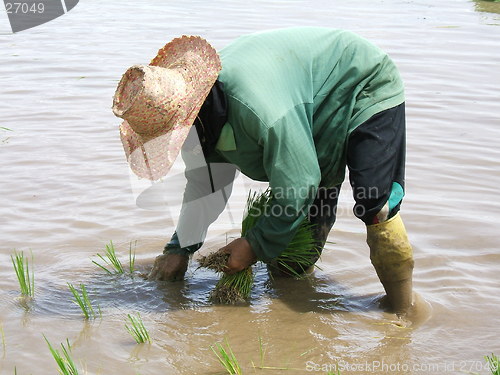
(111, 264)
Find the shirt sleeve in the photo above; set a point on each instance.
(207, 191)
(291, 164)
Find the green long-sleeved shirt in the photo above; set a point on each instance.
(294, 96)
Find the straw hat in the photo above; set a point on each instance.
(160, 101)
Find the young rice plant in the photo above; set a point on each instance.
(494, 363)
(22, 269)
(63, 359)
(82, 299)
(2, 335)
(227, 358)
(137, 329)
(112, 264)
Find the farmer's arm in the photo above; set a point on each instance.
(207, 191)
(291, 164)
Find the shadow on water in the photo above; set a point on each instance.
(325, 295)
(125, 293)
(316, 293)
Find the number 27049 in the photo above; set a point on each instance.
(24, 8)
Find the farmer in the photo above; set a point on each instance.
(293, 107)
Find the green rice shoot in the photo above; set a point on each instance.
(22, 269)
(63, 358)
(2, 334)
(137, 329)
(227, 358)
(299, 250)
(494, 363)
(262, 354)
(82, 300)
(131, 259)
(262, 351)
(110, 262)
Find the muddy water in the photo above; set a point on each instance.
(66, 192)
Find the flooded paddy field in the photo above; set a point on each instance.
(66, 192)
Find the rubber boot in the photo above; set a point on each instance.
(392, 256)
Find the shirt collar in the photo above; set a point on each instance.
(211, 118)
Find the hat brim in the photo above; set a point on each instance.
(152, 157)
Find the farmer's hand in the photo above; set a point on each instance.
(241, 255)
(169, 267)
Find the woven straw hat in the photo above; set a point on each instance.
(160, 101)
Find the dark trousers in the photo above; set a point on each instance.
(376, 160)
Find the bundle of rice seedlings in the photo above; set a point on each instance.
(230, 289)
(233, 289)
(300, 253)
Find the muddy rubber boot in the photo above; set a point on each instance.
(392, 256)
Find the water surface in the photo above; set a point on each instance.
(66, 192)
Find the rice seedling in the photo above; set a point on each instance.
(2, 334)
(494, 363)
(137, 329)
(22, 269)
(262, 351)
(227, 358)
(63, 359)
(300, 250)
(295, 259)
(262, 354)
(131, 259)
(84, 302)
(112, 265)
